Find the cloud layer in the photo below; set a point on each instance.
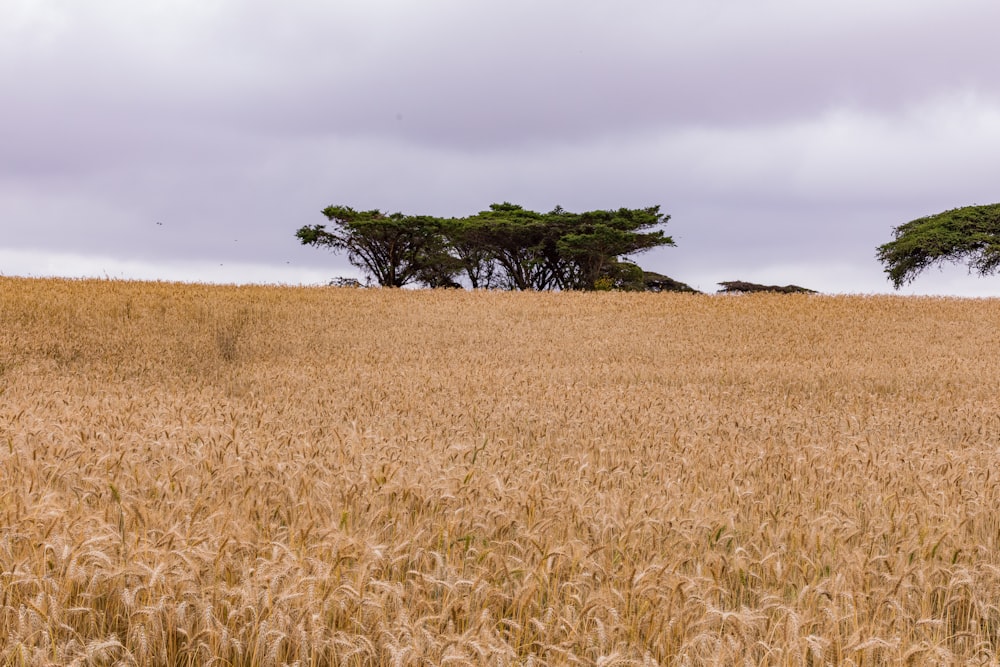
(785, 138)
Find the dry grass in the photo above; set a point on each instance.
(260, 476)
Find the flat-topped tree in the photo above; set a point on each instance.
(522, 244)
(564, 250)
(592, 243)
(969, 234)
(395, 249)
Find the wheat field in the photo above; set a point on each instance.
(220, 475)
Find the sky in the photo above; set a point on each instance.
(189, 139)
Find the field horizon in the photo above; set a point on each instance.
(267, 475)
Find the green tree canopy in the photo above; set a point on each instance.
(395, 249)
(521, 242)
(970, 234)
(560, 249)
(592, 242)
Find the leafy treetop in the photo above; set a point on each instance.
(970, 234)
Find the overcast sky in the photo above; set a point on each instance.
(190, 139)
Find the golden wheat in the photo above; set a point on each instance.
(312, 476)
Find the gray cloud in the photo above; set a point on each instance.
(778, 134)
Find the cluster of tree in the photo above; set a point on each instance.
(970, 234)
(505, 247)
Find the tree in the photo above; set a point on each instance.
(436, 266)
(521, 244)
(591, 243)
(468, 248)
(563, 250)
(970, 234)
(395, 249)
